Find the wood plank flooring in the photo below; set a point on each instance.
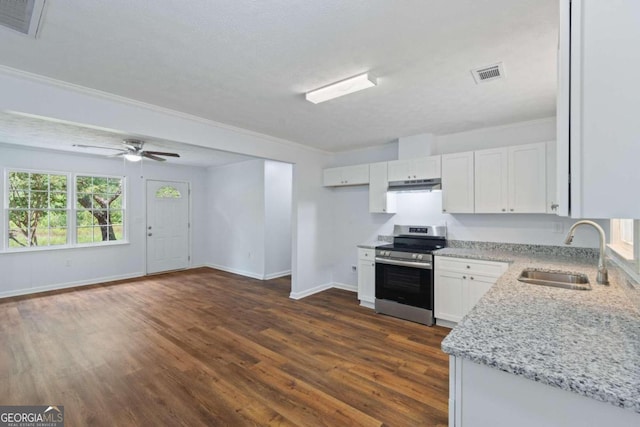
(204, 347)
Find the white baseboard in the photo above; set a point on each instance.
(276, 275)
(76, 284)
(236, 271)
(303, 294)
(345, 286)
(320, 288)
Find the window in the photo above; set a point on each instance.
(168, 192)
(99, 214)
(625, 241)
(37, 209)
(45, 210)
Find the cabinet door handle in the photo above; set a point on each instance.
(444, 210)
(511, 209)
(471, 277)
(468, 266)
(464, 277)
(554, 206)
(504, 210)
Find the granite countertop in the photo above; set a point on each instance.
(587, 342)
(380, 241)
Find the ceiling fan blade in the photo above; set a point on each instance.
(161, 153)
(96, 146)
(152, 157)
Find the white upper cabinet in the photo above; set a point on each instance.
(528, 178)
(598, 106)
(552, 190)
(419, 168)
(380, 201)
(491, 175)
(458, 183)
(511, 179)
(347, 175)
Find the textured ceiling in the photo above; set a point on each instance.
(247, 63)
(36, 132)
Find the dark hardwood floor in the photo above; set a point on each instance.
(204, 347)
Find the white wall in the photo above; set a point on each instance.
(277, 200)
(249, 218)
(353, 224)
(311, 221)
(26, 272)
(235, 211)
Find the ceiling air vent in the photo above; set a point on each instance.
(488, 73)
(21, 15)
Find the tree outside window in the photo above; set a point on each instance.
(99, 209)
(38, 209)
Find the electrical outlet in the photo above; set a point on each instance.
(558, 227)
(354, 268)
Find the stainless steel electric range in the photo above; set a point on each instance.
(404, 272)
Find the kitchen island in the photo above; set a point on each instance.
(536, 355)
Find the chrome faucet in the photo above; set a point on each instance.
(603, 274)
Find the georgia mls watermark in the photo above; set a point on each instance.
(32, 416)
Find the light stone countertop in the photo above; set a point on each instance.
(587, 342)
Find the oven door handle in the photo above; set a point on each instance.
(422, 265)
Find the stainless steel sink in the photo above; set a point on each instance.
(575, 281)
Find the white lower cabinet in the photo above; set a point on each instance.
(460, 283)
(480, 395)
(367, 277)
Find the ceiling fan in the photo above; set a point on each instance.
(133, 151)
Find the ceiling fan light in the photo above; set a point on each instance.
(132, 157)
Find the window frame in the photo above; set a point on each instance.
(629, 252)
(75, 210)
(71, 210)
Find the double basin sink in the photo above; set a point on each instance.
(575, 281)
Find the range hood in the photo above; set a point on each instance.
(415, 185)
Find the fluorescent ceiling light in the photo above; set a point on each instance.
(133, 157)
(344, 87)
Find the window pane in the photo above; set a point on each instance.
(84, 219)
(84, 201)
(168, 192)
(101, 201)
(39, 200)
(19, 219)
(18, 199)
(118, 230)
(58, 236)
(58, 219)
(115, 217)
(99, 184)
(114, 185)
(17, 239)
(19, 180)
(84, 234)
(58, 200)
(58, 183)
(39, 181)
(117, 203)
(83, 184)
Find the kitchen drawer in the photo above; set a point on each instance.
(366, 254)
(471, 266)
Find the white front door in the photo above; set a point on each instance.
(167, 226)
